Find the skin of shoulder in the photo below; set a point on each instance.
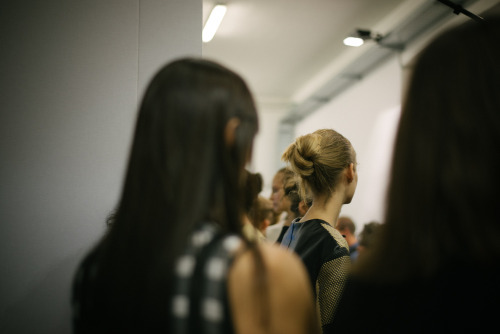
(283, 303)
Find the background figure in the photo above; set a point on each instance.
(253, 187)
(168, 262)
(281, 204)
(325, 163)
(298, 206)
(436, 267)
(368, 237)
(347, 228)
(261, 214)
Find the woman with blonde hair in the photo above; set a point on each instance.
(325, 163)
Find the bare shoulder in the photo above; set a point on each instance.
(281, 263)
(282, 269)
(271, 281)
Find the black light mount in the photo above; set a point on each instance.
(457, 9)
(366, 34)
(381, 40)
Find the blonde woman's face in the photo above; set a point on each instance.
(351, 188)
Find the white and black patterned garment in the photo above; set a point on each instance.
(200, 300)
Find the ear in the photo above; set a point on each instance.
(303, 208)
(350, 172)
(230, 131)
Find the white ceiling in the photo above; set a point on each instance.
(279, 46)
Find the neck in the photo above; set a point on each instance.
(289, 218)
(325, 209)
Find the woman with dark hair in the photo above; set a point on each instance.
(174, 259)
(436, 265)
(261, 215)
(254, 183)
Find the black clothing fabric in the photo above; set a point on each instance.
(325, 254)
(196, 302)
(458, 299)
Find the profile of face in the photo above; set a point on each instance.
(278, 193)
(352, 182)
(285, 204)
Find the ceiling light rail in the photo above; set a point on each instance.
(457, 9)
(359, 37)
(429, 15)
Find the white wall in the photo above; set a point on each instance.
(267, 151)
(367, 115)
(72, 73)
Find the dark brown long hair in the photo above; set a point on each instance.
(181, 171)
(443, 193)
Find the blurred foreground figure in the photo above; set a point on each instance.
(175, 259)
(435, 267)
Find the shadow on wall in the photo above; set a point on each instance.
(46, 308)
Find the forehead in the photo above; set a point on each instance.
(278, 179)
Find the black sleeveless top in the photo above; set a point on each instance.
(199, 295)
(325, 254)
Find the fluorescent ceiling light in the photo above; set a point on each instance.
(213, 22)
(353, 41)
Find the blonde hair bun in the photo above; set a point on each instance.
(302, 153)
(318, 159)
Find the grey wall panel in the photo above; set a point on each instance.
(70, 80)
